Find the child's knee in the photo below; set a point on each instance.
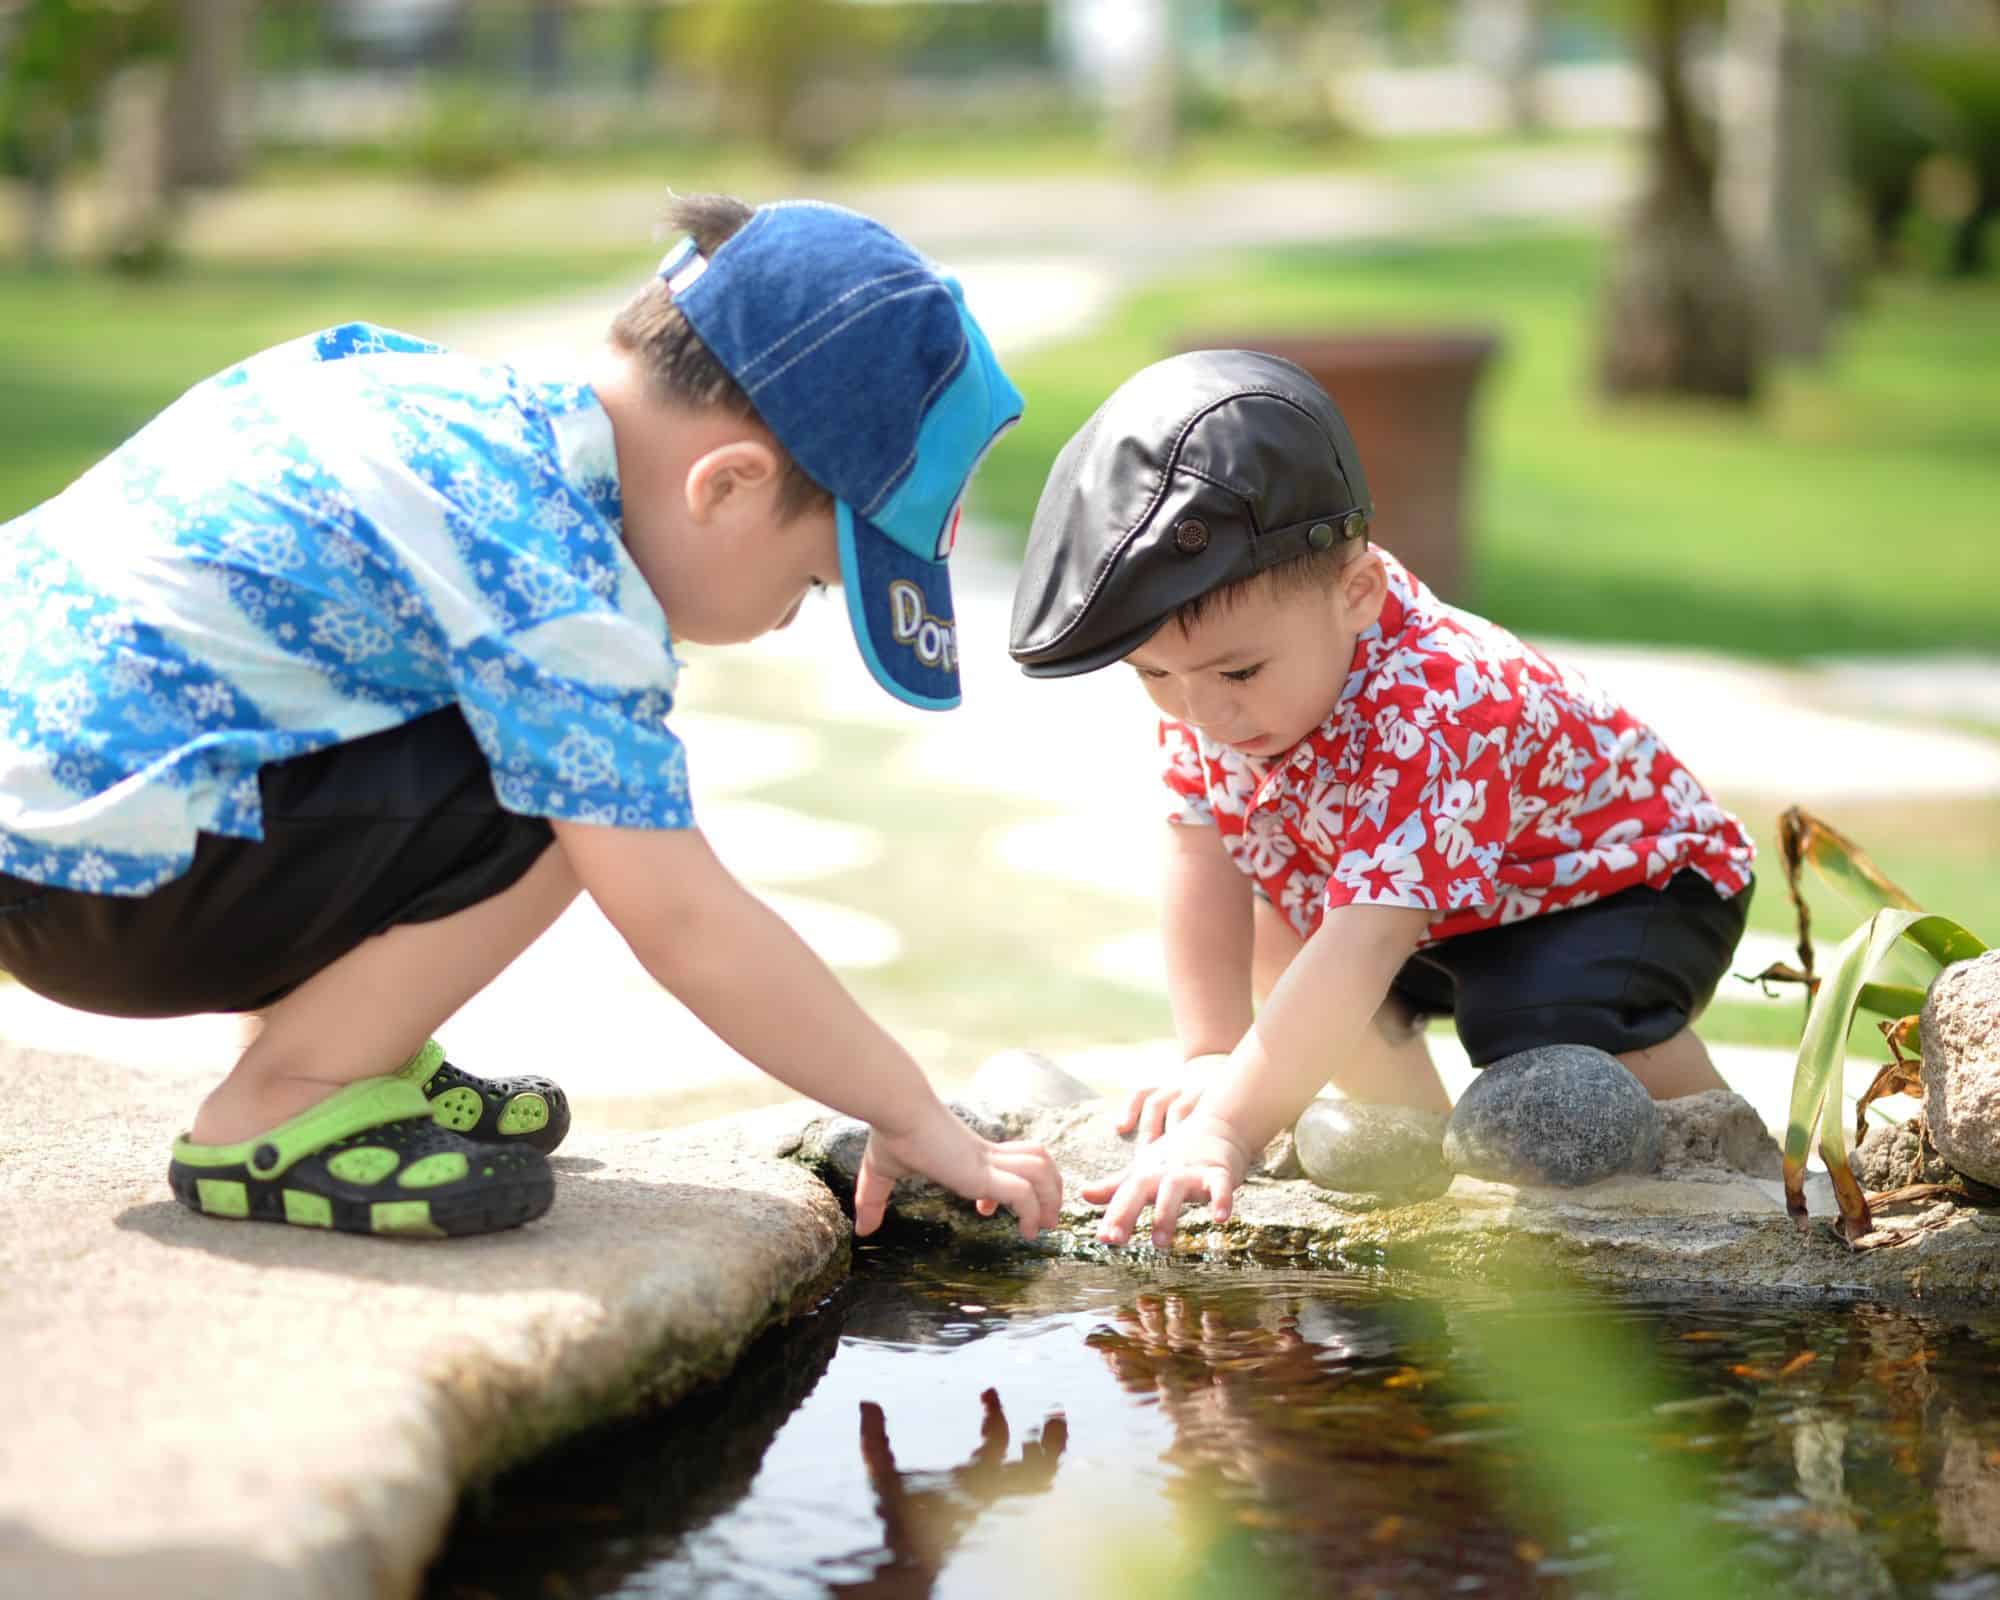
(1397, 1021)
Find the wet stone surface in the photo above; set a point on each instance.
(1709, 1212)
(1563, 1116)
(1388, 1153)
(1961, 1048)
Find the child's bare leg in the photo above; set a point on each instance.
(1390, 1064)
(373, 1008)
(1674, 1067)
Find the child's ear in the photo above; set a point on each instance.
(1364, 585)
(720, 482)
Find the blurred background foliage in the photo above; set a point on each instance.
(1705, 415)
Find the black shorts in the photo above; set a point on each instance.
(1622, 973)
(402, 826)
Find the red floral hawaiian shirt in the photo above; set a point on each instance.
(1460, 772)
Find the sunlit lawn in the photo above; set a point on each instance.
(1855, 512)
(89, 357)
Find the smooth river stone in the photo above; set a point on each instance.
(1961, 1045)
(1394, 1152)
(1562, 1116)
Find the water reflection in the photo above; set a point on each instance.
(925, 1514)
(1321, 1442)
(944, 1428)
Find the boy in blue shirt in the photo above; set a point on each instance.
(326, 693)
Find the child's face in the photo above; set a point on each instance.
(764, 593)
(747, 571)
(1262, 672)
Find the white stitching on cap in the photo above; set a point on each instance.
(827, 310)
(903, 466)
(778, 372)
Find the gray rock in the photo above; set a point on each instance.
(1717, 1128)
(1896, 1155)
(1280, 1158)
(1961, 1047)
(1027, 1079)
(1395, 1152)
(1565, 1115)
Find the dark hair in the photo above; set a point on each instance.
(678, 366)
(1316, 569)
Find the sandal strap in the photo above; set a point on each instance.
(362, 1105)
(423, 1066)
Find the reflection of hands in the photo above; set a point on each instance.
(1153, 1110)
(1214, 1380)
(1016, 1175)
(1202, 1159)
(924, 1513)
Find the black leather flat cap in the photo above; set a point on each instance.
(1199, 471)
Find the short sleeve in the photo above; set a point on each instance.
(1185, 775)
(587, 750)
(1427, 818)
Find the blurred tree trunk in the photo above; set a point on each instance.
(207, 110)
(643, 63)
(1679, 315)
(1777, 167)
(1505, 37)
(548, 28)
(47, 157)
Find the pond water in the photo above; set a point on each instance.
(1044, 1427)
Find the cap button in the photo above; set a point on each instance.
(1320, 536)
(1191, 537)
(1354, 525)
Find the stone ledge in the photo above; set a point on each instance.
(216, 1409)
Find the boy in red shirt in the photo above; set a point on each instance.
(1386, 807)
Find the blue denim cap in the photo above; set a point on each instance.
(862, 359)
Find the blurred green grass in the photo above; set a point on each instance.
(89, 357)
(1855, 512)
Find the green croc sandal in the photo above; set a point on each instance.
(367, 1159)
(505, 1111)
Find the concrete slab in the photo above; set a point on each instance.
(218, 1409)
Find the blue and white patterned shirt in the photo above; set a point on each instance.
(334, 537)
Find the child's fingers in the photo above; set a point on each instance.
(1133, 1107)
(1133, 1196)
(1154, 1124)
(871, 1197)
(1018, 1195)
(1167, 1205)
(986, 1208)
(1221, 1194)
(1097, 1193)
(1039, 1168)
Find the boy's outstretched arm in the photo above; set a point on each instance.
(1318, 1008)
(1207, 930)
(740, 968)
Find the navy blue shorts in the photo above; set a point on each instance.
(1622, 973)
(402, 826)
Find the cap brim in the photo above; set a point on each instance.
(900, 607)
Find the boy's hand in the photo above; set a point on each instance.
(1202, 1159)
(1017, 1175)
(1153, 1110)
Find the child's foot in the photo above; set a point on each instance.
(527, 1111)
(367, 1159)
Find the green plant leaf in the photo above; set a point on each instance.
(1817, 1078)
(1890, 999)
